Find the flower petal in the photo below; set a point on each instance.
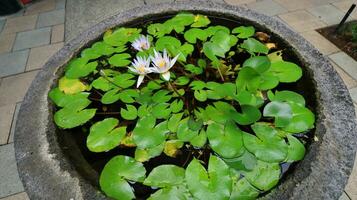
(166, 76)
(140, 80)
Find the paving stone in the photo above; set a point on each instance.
(10, 182)
(13, 88)
(302, 20)
(344, 6)
(6, 42)
(6, 115)
(351, 188)
(327, 13)
(13, 124)
(268, 7)
(321, 43)
(82, 14)
(19, 196)
(32, 38)
(349, 81)
(344, 196)
(50, 18)
(21, 23)
(2, 23)
(239, 2)
(40, 6)
(57, 33)
(353, 93)
(60, 4)
(13, 63)
(347, 63)
(292, 5)
(39, 55)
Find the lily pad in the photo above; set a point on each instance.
(264, 176)
(287, 72)
(104, 135)
(254, 46)
(216, 184)
(243, 190)
(244, 31)
(130, 113)
(116, 173)
(296, 150)
(267, 146)
(226, 140)
(281, 111)
(120, 60)
(193, 34)
(165, 176)
(147, 135)
(71, 86)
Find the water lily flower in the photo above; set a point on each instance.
(142, 67)
(142, 43)
(162, 64)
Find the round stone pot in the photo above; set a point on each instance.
(49, 171)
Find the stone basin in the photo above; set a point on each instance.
(49, 171)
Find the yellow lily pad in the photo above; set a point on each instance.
(71, 86)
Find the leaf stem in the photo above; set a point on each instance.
(220, 73)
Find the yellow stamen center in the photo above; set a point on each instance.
(143, 45)
(141, 68)
(161, 63)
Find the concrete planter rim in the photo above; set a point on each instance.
(48, 174)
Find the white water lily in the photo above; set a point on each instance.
(162, 64)
(142, 67)
(142, 43)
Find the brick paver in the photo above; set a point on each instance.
(23, 32)
(13, 63)
(50, 18)
(10, 182)
(33, 38)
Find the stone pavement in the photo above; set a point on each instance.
(29, 37)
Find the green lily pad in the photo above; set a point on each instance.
(176, 106)
(193, 69)
(171, 193)
(120, 60)
(287, 96)
(197, 85)
(161, 111)
(193, 34)
(243, 190)
(162, 96)
(259, 63)
(121, 36)
(254, 46)
(281, 111)
(104, 135)
(200, 95)
(147, 135)
(244, 31)
(264, 176)
(200, 21)
(173, 122)
(302, 119)
(165, 41)
(182, 80)
(103, 84)
(74, 114)
(143, 155)
(165, 176)
(184, 132)
(111, 96)
(113, 179)
(216, 184)
(226, 140)
(62, 100)
(287, 72)
(130, 113)
(267, 146)
(80, 67)
(199, 140)
(124, 80)
(296, 150)
(245, 162)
